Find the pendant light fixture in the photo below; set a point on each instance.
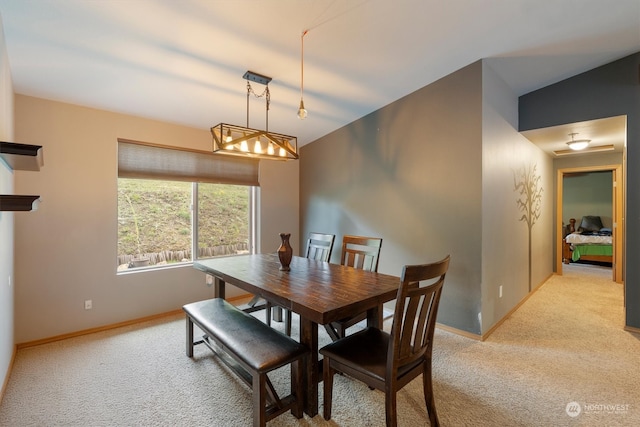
(247, 142)
(578, 144)
(302, 112)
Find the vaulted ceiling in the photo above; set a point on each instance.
(183, 61)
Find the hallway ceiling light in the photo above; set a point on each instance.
(578, 144)
(247, 142)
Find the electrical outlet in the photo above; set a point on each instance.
(88, 304)
(500, 291)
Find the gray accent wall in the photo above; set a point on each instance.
(607, 91)
(415, 173)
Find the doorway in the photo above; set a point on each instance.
(617, 215)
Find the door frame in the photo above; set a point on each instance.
(618, 218)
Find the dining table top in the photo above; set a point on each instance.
(320, 291)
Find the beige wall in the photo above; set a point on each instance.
(6, 221)
(280, 200)
(65, 252)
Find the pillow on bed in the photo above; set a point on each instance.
(590, 223)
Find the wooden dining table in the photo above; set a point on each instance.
(319, 292)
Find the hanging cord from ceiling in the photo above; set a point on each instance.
(316, 22)
(302, 112)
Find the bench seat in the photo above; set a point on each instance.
(252, 350)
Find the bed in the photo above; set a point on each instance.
(589, 242)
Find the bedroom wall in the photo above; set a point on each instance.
(505, 250)
(607, 91)
(588, 193)
(7, 343)
(65, 251)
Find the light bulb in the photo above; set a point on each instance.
(244, 146)
(257, 148)
(228, 138)
(270, 150)
(282, 152)
(578, 145)
(302, 113)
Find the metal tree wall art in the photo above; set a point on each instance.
(526, 183)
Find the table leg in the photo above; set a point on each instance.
(309, 337)
(374, 317)
(277, 313)
(218, 288)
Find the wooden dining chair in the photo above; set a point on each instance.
(319, 248)
(358, 252)
(389, 361)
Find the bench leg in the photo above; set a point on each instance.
(189, 337)
(297, 370)
(259, 400)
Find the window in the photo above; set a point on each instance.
(177, 205)
(224, 219)
(157, 225)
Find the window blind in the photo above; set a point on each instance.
(149, 161)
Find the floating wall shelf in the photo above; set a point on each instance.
(20, 157)
(13, 202)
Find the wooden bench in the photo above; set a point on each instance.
(252, 350)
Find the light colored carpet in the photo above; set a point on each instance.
(565, 344)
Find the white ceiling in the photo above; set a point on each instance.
(183, 61)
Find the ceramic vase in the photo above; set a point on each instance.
(285, 252)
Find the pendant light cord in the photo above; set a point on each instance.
(304, 33)
(302, 112)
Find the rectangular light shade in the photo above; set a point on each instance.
(253, 143)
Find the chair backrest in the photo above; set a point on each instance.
(361, 252)
(319, 246)
(415, 314)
